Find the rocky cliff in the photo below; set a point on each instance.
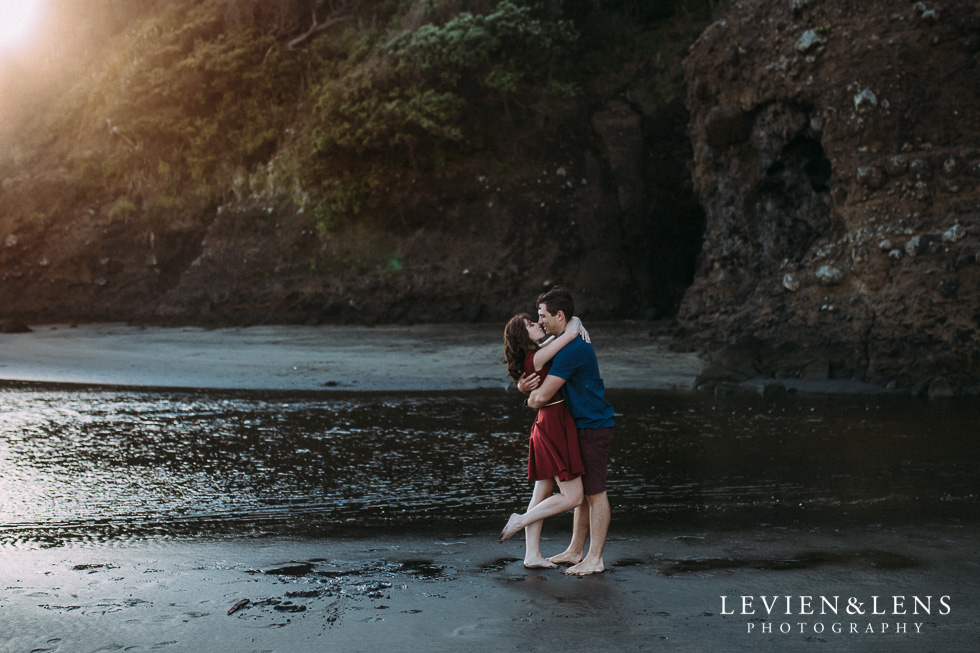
(469, 244)
(837, 157)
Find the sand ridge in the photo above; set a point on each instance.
(429, 357)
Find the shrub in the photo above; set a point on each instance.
(122, 209)
(423, 85)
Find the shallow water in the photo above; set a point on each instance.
(98, 464)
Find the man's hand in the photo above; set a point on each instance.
(528, 382)
(548, 389)
(575, 324)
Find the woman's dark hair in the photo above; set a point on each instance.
(517, 344)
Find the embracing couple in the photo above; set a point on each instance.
(552, 361)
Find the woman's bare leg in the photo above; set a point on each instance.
(532, 532)
(569, 496)
(580, 531)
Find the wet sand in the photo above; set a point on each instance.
(465, 592)
(440, 357)
(453, 591)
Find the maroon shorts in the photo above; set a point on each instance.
(594, 445)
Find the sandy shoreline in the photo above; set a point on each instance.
(383, 358)
(440, 357)
(454, 592)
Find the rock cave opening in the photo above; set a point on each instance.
(662, 251)
(807, 154)
(665, 245)
(789, 202)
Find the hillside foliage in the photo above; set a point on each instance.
(160, 106)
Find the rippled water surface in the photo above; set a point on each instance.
(102, 464)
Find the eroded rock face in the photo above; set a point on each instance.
(604, 209)
(837, 145)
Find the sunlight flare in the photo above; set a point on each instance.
(17, 20)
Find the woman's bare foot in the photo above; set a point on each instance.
(513, 526)
(566, 558)
(538, 563)
(585, 568)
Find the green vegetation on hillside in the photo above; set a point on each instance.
(183, 104)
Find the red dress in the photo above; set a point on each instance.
(553, 448)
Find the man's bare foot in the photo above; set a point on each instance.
(538, 563)
(566, 558)
(585, 568)
(512, 527)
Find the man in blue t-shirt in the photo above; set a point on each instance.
(575, 370)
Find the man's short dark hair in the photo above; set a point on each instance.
(558, 299)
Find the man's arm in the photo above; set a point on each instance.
(528, 382)
(572, 331)
(549, 388)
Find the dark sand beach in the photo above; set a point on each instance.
(466, 592)
(901, 583)
(439, 357)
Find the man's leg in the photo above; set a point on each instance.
(594, 444)
(599, 517)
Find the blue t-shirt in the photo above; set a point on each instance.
(584, 392)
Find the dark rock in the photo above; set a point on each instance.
(13, 325)
(727, 389)
(940, 388)
(828, 275)
(789, 201)
(919, 339)
(966, 259)
(739, 357)
(731, 365)
(816, 371)
(897, 165)
(919, 389)
(726, 126)
(620, 129)
(948, 287)
(920, 169)
(799, 5)
(712, 375)
(773, 390)
(472, 311)
(809, 41)
(919, 245)
(871, 177)
(865, 100)
(954, 234)
(952, 166)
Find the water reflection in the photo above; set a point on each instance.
(111, 464)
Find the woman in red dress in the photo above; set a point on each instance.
(553, 453)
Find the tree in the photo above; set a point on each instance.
(337, 11)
